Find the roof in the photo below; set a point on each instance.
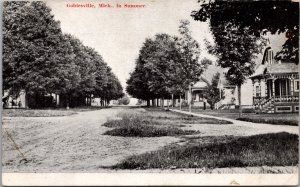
(275, 69)
(202, 83)
(283, 68)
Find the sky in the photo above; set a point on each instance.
(118, 33)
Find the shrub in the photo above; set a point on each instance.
(124, 101)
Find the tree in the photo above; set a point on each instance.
(236, 49)
(39, 58)
(166, 66)
(36, 57)
(160, 64)
(190, 68)
(212, 93)
(258, 17)
(137, 84)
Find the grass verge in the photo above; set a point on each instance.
(270, 121)
(36, 113)
(276, 149)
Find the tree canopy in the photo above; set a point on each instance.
(259, 17)
(40, 59)
(166, 65)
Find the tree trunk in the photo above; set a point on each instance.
(148, 103)
(68, 102)
(157, 102)
(179, 102)
(153, 102)
(168, 102)
(26, 100)
(239, 98)
(162, 103)
(190, 98)
(172, 100)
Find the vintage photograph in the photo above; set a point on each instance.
(193, 88)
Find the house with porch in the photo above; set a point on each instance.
(197, 97)
(275, 85)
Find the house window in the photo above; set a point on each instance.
(296, 83)
(257, 91)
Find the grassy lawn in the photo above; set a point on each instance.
(275, 119)
(278, 149)
(49, 112)
(154, 122)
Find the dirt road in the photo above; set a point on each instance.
(76, 143)
(69, 144)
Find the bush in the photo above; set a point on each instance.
(124, 101)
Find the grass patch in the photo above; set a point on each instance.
(270, 121)
(36, 113)
(137, 126)
(276, 149)
(48, 112)
(153, 122)
(275, 119)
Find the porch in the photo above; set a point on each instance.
(276, 93)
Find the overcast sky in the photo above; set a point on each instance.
(118, 34)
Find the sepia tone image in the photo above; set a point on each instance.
(131, 86)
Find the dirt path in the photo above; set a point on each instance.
(69, 144)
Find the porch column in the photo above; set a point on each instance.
(266, 88)
(259, 84)
(286, 87)
(253, 85)
(292, 86)
(273, 87)
(279, 83)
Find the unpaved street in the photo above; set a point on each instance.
(69, 144)
(76, 143)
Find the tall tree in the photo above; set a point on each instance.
(190, 67)
(236, 49)
(36, 57)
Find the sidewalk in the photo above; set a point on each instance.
(241, 128)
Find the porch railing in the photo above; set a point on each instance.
(288, 99)
(277, 99)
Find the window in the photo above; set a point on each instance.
(296, 85)
(257, 91)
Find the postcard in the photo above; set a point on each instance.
(150, 92)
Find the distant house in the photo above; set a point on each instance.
(275, 85)
(231, 94)
(18, 100)
(197, 93)
(14, 100)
